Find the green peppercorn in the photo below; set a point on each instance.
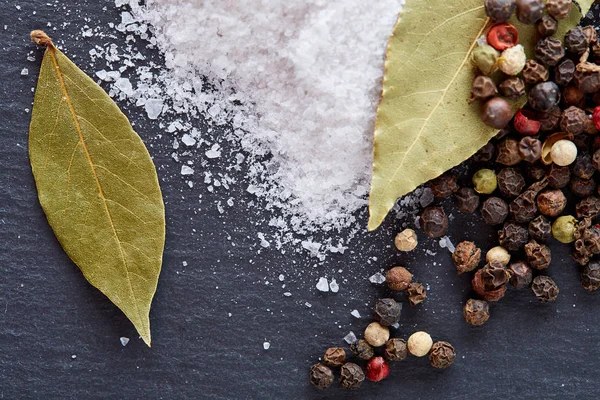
(485, 181)
(486, 59)
(563, 229)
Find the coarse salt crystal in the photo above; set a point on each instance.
(266, 345)
(24, 71)
(355, 314)
(185, 170)
(153, 108)
(124, 340)
(377, 278)
(322, 285)
(333, 286)
(350, 338)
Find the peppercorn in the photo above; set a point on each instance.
(563, 229)
(486, 59)
(494, 211)
(530, 149)
(521, 275)
(406, 240)
(416, 293)
(398, 278)
(376, 334)
(485, 154)
(558, 177)
(377, 369)
(551, 202)
(498, 254)
(523, 208)
(512, 236)
(510, 181)
(444, 185)
(442, 355)
(587, 77)
(525, 123)
(467, 200)
(549, 51)
(591, 33)
(351, 376)
(563, 73)
(512, 88)
(395, 349)
(596, 51)
(496, 113)
(494, 275)
(500, 10)
(540, 228)
(550, 120)
(479, 288)
(582, 187)
(419, 344)
(563, 152)
(590, 276)
(502, 133)
(587, 241)
(583, 167)
(530, 11)
(466, 256)
(534, 73)
(576, 41)
(544, 96)
(546, 26)
(573, 120)
(536, 171)
(502, 36)
(538, 255)
(321, 376)
(596, 160)
(334, 357)
(573, 96)
(483, 88)
(476, 312)
(512, 60)
(596, 113)
(362, 349)
(583, 142)
(559, 9)
(485, 181)
(508, 152)
(387, 311)
(588, 207)
(544, 288)
(434, 221)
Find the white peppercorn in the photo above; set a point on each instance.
(406, 240)
(419, 343)
(498, 254)
(563, 153)
(376, 334)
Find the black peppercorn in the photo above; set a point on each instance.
(583, 142)
(512, 88)
(547, 26)
(480, 289)
(573, 120)
(563, 73)
(398, 278)
(466, 256)
(549, 120)
(485, 154)
(476, 312)
(500, 10)
(596, 160)
(513, 236)
(521, 275)
(442, 355)
(444, 185)
(588, 207)
(387, 311)
(583, 167)
(587, 241)
(590, 276)
(508, 152)
(363, 350)
(559, 9)
(483, 88)
(538, 255)
(536, 171)
(582, 187)
(351, 376)
(544, 96)
(535, 73)
(540, 228)
(494, 211)
(551, 202)
(530, 149)
(510, 182)
(549, 51)
(334, 357)
(523, 209)
(587, 77)
(558, 177)
(395, 349)
(434, 221)
(530, 11)
(321, 376)
(496, 113)
(544, 288)
(467, 200)
(573, 96)
(576, 41)
(416, 293)
(589, 31)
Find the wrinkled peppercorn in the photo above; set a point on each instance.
(576, 41)
(467, 200)
(587, 77)
(434, 221)
(582, 142)
(530, 149)
(488, 295)
(494, 211)
(563, 73)
(536, 171)
(444, 185)
(351, 376)
(334, 357)
(416, 293)
(466, 256)
(549, 51)
(551, 202)
(362, 349)
(538, 255)
(508, 152)
(535, 73)
(583, 167)
(485, 154)
(387, 311)
(513, 236)
(540, 228)
(544, 96)
(523, 209)
(510, 182)
(496, 113)
(483, 88)
(395, 349)
(494, 275)
(582, 187)
(590, 276)
(521, 275)
(442, 355)
(500, 10)
(544, 288)
(558, 177)
(476, 312)
(590, 32)
(587, 241)
(530, 11)
(398, 278)
(550, 120)
(588, 207)
(559, 9)
(596, 160)
(573, 120)
(547, 26)
(512, 88)
(321, 376)
(377, 369)
(573, 96)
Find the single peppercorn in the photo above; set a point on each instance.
(485, 154)
(442, 355)
(377, 369)
(587, 77)
(486, 59)
(406, 240)
(494, 211)
(576, 41)
(398, 278)
(538, 255)
(573, 120)
(512, 60)
(563, 152)
(467, 200)
(535, 73)
(563, 229)
(563, 73)
(544, 288)
(523, 209)
(434, 221)
(395, 349)
(479, 288)
(544, 96)
(530, 149)
(376, 334)
(596, 160)
(387, 311)
(513, 236)
(549, 51)
(416, 293)
(558, 177)
(508, 152)
(351, 376)
(476, 312)
(419, 344)
(512, 88)
(483, 88)
(466, 256)
(546, 26)
(530, 11)
(485, 181)
(582, 187)
(525, 123)
(494, 275)
(551, 202)
(587, 241)
(583, 167)
(590, 276)
(334, 357)
(572, 96)
(559, 9)
(444, 185)
(510, 181)
(583, 142)
(496, 113)
(520, 275)
(502, 133)
(362, 349)
(588, 207)
(321, 376)
(498, 254)
(500, 10)
(540, 228)
(550, 120)
(590, 32)
(536, 171)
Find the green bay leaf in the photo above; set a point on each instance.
(97, 185)
(424, 125)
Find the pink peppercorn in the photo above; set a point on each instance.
(377, 369)
(525, 124)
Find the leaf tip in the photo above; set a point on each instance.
(40, 38)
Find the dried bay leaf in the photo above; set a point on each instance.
(97, 185)
(424, 125)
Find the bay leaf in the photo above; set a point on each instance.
(97, 185)
(424, 125)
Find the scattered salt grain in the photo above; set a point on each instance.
(281, 277)
(266, 345)
(322, 285)
(355, 314)
(446, 243)
(350, 338)
(185, 170)
(124, 341)
(333, 286)
(24, 71)
(426, 197)
(214, 151)
(287, 294)
(153, 108)
(377, 278)
(188, 140)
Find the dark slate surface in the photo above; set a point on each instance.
(48, 313)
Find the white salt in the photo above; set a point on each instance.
(124, 340)
(266, 345)
(322, 285)
(377, 278)
(24, 71)
(445, 242)
(125, 86)
(188, 140)
(333, 286)
(153, 108)
(350, 338)
(355, 314)
(185, 170)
